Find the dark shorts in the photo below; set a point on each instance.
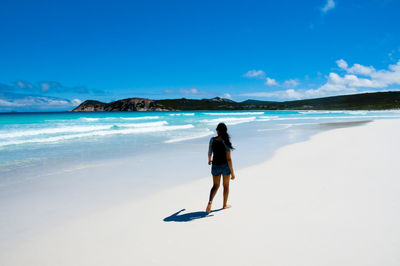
(220, 169)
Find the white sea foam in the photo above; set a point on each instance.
(266, 118)
(74, 129)
(319, 112)
(148, 124)
(125, 131)
(236, 113)
(200, 135)
(356, 112)
(55, 130)
(140, 118)
(179, 114)
(313, 118)
(90, 119)
(335, 112)
(229, 120)
(333, 117)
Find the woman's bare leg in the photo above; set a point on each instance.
(226, 179)
(214, 189)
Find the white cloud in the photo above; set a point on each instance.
(189, 91)
(24, 85)
(374, 78)
(262, 94)
(4, 102)
(255, 74)
(48, 87)
(342, 64)
(394, 54)
(330, 4)
(358, 78)
(286, 83)
(76, 101)
(38, 101)
(45, 86)
(34, 102)
(283, 94)
(291, 83)
(270, 82)
(293, 94)
(391, 76)
(227, 95)
(356, 68)
(351, 83)
(362, 70)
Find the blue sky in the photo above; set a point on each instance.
(54, 54)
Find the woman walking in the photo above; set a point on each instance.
(220, 147)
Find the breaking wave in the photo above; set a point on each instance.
(122, 131)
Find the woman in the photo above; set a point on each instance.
(220, 147)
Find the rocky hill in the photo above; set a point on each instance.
(364, 101)
(130, 104)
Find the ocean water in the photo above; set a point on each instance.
(55, 166)
(31, 139)
(39, 144)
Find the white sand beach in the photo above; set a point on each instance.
(331, 200)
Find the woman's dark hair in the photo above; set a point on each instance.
(223, 133)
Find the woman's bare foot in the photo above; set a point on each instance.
(208, 209)
(226, 207)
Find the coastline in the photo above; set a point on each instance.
(329, 200)
(37, 201)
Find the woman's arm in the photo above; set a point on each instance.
(210, 151)
(229, 159)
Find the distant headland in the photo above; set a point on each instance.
(364, 101)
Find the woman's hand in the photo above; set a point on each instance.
(233, 176)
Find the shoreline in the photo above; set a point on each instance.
(313, 216)
(57, 197)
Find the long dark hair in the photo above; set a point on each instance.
(223, 133)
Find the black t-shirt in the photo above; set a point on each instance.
(218, 148)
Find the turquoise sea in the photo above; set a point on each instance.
(43, 140)
(54, 166)
(32, 139)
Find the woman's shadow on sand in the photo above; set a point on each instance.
(187, 217)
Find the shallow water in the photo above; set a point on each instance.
(44, 139)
